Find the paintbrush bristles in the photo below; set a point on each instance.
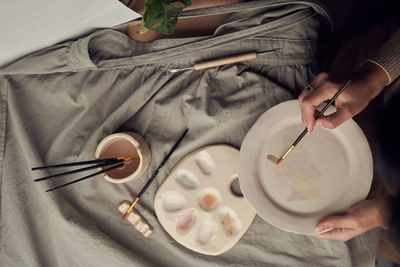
(276, 160)
(130, 208)
(272, 158)
(128, 158)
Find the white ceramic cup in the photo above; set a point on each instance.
(124, 145)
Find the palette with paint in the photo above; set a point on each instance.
(326, 173)
(197, 206)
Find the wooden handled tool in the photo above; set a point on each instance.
(226, 60)
(223, 61)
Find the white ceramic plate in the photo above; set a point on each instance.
(226, 159)
(328, 171)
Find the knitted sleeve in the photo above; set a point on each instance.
(388, 57)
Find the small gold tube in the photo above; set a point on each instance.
(133, 204)
(287, 152)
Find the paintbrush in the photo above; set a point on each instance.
(102, 163)
(154, 174)
(88, 162)
(275, 159)
(87, 177)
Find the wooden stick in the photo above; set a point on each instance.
(223, 61)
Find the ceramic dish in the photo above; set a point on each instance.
(177, 203)
(125, 145)
(328, 171)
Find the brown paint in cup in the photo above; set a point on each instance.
(121, 148)
(124, 145)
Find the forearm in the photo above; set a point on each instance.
(383, 212)
(372, 78)
(388, 57)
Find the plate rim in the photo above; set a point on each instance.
(248, 184)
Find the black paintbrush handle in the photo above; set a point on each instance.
(332, 99)
(75, 164)
(322, 111)
(173, 149)
(86, 177)
(300, 137)
(162, 164)
(79, 170)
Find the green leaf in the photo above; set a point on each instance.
(162, 15)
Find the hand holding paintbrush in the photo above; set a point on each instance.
(275, 159)
(367, 82)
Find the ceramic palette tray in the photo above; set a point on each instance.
(197, 206)
(328, 171)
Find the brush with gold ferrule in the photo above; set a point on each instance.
(129, 210)
(271, 157)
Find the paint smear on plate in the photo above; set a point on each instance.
(300, 174)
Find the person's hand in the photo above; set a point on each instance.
(365, 85)
(362, 217)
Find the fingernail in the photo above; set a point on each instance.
(318, 124)
(321, 228)
(324, 231)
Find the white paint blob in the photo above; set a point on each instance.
(206, 231)
(205, 162)
(173, 201)
(187, 179)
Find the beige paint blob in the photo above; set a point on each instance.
(299, 173)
